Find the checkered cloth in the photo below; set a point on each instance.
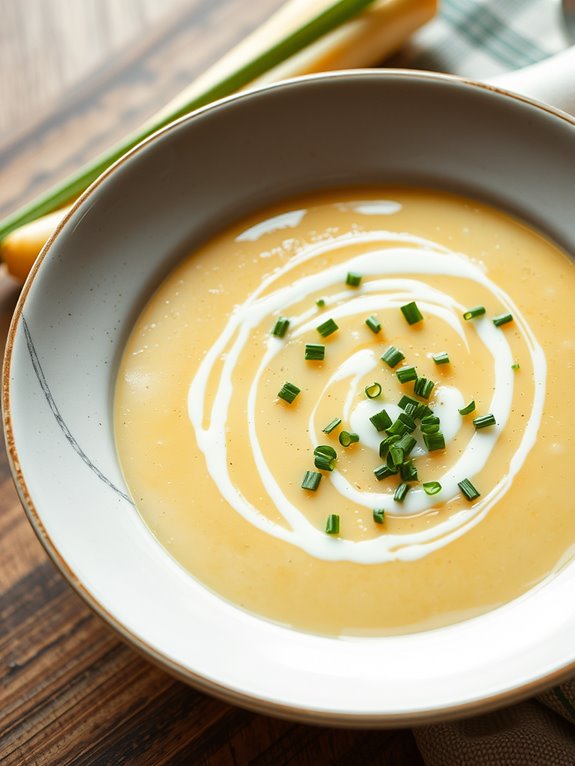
(483, 38)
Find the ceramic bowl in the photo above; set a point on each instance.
(92, 279)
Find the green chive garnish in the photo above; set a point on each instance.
(407, 443)
(324, 463)
(346, 438)
(314, 352)
(288, 392)
(515, 366)
(405, 374)
(378, 515)
(434, 442)
(280, 327)
(405, 400)
(373, 391)
(476, 311)
(468, 408)
(381, 420)
(502, 319)
(330, 426)
(374, 324)
(332, 524)
(353, 279)
(442, 358)
(311, 480)
(408, 471)
(401, 492)
(422, 411)
(395, 457)
(386, 444)
(430, 424)
(423, 387)
(325, 449)
(393, 356)
(383, 471)
(411, 313)
(431, 487)
(324, 457)
(327, 328)
(468, 489)
(484, 421)
(320, 303)
(399, 427)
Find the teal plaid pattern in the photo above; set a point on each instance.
(482, 38)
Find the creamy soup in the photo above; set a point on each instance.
(353, 413)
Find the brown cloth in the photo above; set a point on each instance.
(539, 732)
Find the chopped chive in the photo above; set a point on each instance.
(393, 356)
(373, 391)
(407, 421)
(314, 352)
(331, 425)
(408, 471)
(288, 392)
(374, 324)
(378, 515)
(325, 457)
(476, 311)
(412, 313)
(398, 428)
(405, 400)
(395, 456)
(280, 327)
(484, 421)
(353, 279)
(386, 444)
(407, 443)
(431, 487)
(468, 489)
(383, 471)
(332, 524)
(405, 374)
(502, 319)
(401, 492)
(320, 303)
(381, 420)
(430, 424)
(434, 442)
(441, 358)
(325, 449)
(324, 463)
(311, 480)
(422, 411)
(348, 437)
(411, 409)
(423, 387)
(468, 408)
(515, 366)
(327, 328)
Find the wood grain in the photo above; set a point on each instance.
(70, 691)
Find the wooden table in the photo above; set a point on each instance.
(70, 691)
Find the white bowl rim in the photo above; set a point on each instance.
(256, 704)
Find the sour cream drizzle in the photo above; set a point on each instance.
(386, 254)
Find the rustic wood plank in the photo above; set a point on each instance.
(70, 692)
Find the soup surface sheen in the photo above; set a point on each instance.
(215, 460)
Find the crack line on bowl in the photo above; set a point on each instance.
(59, 419)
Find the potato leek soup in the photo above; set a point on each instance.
(354, 413)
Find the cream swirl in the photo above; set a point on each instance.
(394, 267)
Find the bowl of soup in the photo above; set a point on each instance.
(288, 398)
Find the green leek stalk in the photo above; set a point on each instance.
(294, 42)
